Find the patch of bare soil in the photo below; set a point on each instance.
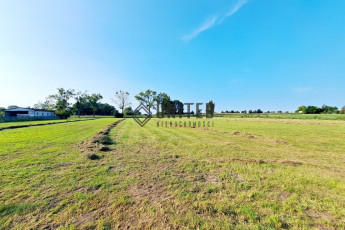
(147, 195)
(98, 143)
(214, 130)
(212, 178)
(153, 193)
(289, 162)
(258, 161)
(250, 136)
(286, 162)
(247, 135)
(238, 178)
(316, 215)
(283, 195)
(118, 168)
(83, 218)
(247, 160)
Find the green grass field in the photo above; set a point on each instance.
(20, 123)
(284, 116)
(243, 173)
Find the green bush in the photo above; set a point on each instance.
(63, 114)
(117, 114)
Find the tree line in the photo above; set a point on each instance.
(325, 109)
(90, 104)
(253, 111)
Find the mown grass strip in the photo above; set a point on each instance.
(41, 124)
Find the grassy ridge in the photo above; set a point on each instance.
(241, 173)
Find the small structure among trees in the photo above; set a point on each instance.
(28, 113)
(316, 110)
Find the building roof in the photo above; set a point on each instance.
(26, 109)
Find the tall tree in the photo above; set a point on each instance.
(61, 101)
(329, 109)
(178, 107)
(106, 109)
(313, 109)
(259, 111)
(210, 109)
(302, 108)
(47, 105)
(148, 98)
(81, 100)
(128, 111)
(163, 100)
(122, 99)
(2, 111)
(93, 100)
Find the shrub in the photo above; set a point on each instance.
(63, 114)
(118, 115)
(128, 111)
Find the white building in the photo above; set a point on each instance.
(27, 112)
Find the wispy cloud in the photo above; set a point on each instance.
(236, 7)
(208, 24)
(205, 26)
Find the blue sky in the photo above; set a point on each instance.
(268, 54)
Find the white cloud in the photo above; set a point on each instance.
(208, 24)
(236, 7)
(205, 26)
